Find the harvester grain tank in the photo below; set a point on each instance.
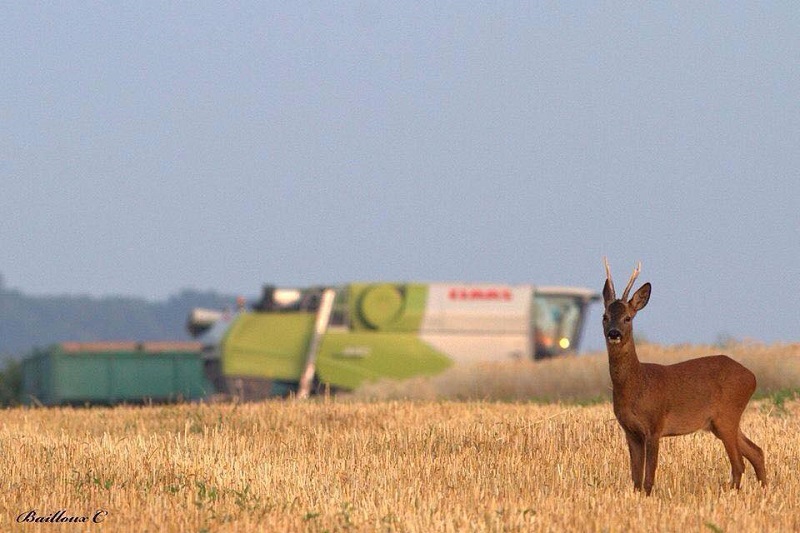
(345, 336)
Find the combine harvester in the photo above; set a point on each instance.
(294, 340)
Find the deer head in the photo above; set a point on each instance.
(619, 313)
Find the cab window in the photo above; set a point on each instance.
(555, 324)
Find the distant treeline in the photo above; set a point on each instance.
(28, 322)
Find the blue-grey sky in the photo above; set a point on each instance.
(150, 147)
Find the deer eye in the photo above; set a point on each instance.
(627, 319)
(605, 318)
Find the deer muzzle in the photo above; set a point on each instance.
(614, 336)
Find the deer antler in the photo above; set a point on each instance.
(610, 281)
(635, 275)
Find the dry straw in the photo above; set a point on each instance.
(345, 465)
(581, 379)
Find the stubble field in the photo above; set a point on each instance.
(349, 464)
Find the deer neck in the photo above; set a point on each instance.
(624, 365)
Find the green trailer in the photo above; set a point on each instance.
(348, 335)
(114, 372)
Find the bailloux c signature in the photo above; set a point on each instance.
(61, 517)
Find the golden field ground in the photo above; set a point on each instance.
(348, 464)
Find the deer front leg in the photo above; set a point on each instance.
(651, 450)
(636, 450)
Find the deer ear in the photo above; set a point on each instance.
(608, 293)
(641, 297)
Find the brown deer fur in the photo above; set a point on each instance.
(653, 401)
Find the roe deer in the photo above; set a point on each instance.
(653, 401)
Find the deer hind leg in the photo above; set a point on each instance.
(755, 455)
(730, 439)
(636, 450)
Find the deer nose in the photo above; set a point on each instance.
(614, 334)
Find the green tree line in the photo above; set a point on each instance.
(28, 322)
